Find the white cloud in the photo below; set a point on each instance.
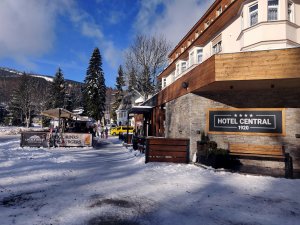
(89, 28)
(26, 28)
(172, 18)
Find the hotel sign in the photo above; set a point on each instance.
(264, 121)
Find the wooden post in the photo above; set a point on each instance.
(59, 114)
(147, 151)
(288, 166)
(188, 151)
(127, 141)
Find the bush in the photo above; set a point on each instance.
(218, 151)
(211, 155)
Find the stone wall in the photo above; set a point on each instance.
(186, 116)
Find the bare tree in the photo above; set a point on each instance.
(146, 57)
(22, 103)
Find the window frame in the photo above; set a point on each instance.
(242, 21)
(291, 15)
(198, 54)
(253, 12)
(183, 68)
(164, 82)
(177, 70)
(271, 7)
(217, 48)
(191, 58)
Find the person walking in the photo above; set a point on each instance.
(99, 129)
(106, 132)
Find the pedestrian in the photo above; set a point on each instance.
(102, 132)
(99, 129)
(91, 130)
(106, 132)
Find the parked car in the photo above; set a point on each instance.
(121, 129)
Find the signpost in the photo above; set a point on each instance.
(247, 121)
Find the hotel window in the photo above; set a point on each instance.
(164, 83)
(183, 66)
(217, 47)
(199, 55)
(217, 44)
(192, 58)
(290, 11)
(272, 10)
(253, 12)
(177, 70)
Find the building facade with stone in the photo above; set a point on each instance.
(236, 76)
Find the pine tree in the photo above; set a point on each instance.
(119, 94)
(94, 90)
(120, 83)
(58, 90)
(132, 82)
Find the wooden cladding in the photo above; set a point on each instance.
(167, 150)
(276, 65)
(270, 64)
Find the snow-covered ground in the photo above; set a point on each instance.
(111, 185)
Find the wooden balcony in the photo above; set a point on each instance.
(238, 71)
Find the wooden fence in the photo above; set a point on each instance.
(167, 150)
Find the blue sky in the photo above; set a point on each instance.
(41, 35)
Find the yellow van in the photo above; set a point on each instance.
(121, 129)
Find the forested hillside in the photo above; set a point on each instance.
(10, 78)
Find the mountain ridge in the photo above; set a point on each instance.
(10, 72)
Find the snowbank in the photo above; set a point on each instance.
(11, 130)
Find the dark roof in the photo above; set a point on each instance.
(140, 109)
